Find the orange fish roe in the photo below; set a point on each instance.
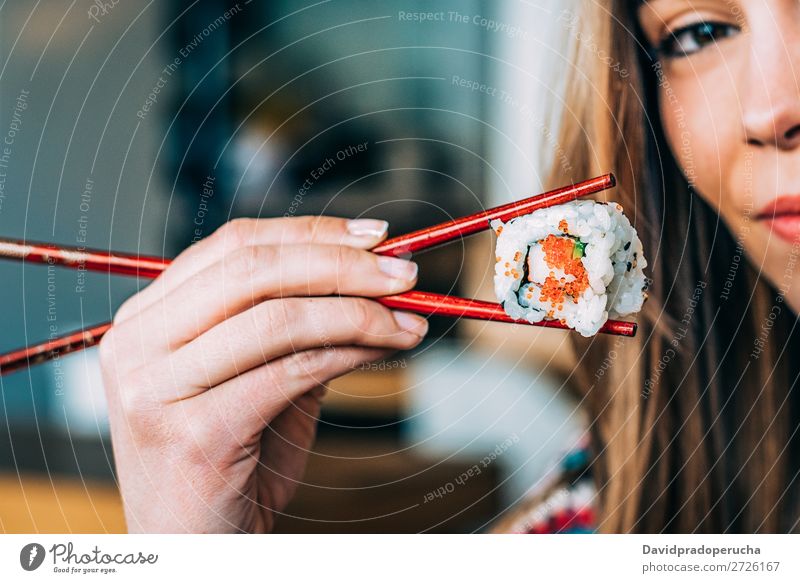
(563, 226)
(558, 255)
(499, 230)
(517, 256)
(499, 259)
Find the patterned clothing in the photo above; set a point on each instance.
(568, 506)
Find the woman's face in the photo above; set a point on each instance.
(730, 105)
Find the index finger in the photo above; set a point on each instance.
(239, 233)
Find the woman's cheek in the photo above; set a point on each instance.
(701, 131)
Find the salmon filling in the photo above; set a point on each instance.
(565, 254)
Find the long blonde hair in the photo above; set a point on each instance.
(693, 420)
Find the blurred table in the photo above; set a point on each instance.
(33, 503)
(363, 474)
(380, 486)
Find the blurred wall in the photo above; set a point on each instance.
(79, 169)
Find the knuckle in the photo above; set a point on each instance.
(348, 261)
(115, 354)
(363, 314)
(278, 316)
(307, 363)
(333, 226)
(118, 353)
(137, 405)
(132, 306)
(307, 227)
(248, 262)
(235, 233)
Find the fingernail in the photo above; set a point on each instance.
(367, 228)
(411, 323)
(398, 268)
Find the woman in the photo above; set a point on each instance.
(694, 422)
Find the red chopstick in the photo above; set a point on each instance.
(432, 304)
(55, 348)
(88, 259)
(444, 232)
(151, 267)
(414, 301)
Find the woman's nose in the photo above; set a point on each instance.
(771, 96)
(776, 124)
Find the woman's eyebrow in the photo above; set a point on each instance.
(640, 3)
(651, 4)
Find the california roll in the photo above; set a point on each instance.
(579, 263)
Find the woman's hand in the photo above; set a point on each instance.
(214, 373)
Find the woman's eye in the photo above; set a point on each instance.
(694, 37)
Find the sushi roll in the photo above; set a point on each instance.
(579, 263)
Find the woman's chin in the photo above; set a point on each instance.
(784, 276)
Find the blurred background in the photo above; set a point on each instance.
(142, 127)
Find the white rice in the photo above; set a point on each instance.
(613, 261)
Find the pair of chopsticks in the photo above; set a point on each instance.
(413, 301)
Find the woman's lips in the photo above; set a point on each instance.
(782, 216)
